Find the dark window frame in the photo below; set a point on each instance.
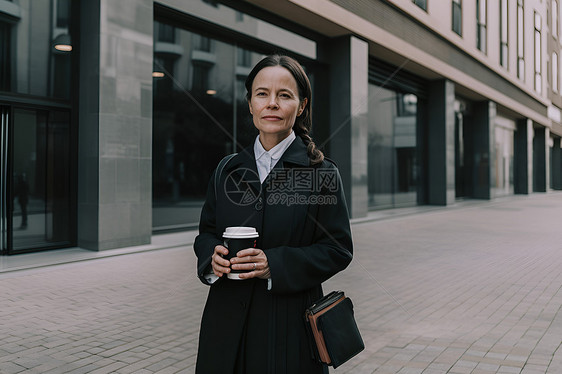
(537, 51)
(520, 40)
(555, 19)
(456, 16)
(166, 33)
(421, 3)
(482, 26)
(504, 36)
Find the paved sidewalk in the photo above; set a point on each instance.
(470, 289)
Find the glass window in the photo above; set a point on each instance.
(244, 58)
(35, 51)
(457, 16)
(5, 57)
(504, 143)
(421, 3)
(554, 12)
(202, 43)
(462, 140)
(503, 33)
(63, 13)
(520, 41)
(41, 180)
(392, 148)
(554, 69)
(481, 25)
(538, 60)
(166, 33)
(200, 114)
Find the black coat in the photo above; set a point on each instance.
(305, 233)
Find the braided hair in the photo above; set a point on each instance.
(303, 123)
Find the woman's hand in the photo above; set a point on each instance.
(220, 265)
(253, 261)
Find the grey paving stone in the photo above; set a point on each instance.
(468, 289)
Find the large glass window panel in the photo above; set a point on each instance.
(41, 179)
(192, 127)
(5, 177)
(5, 56)
(200, 115)
(392, 149)
(460, 153)
(504, 138)
(36, 48)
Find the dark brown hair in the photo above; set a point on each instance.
(303, 123)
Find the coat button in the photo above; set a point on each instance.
(259, 204)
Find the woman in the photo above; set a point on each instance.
(282, 186)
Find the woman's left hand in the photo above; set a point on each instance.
(253, 261)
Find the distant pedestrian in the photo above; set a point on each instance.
(22, 192)
(255, 325)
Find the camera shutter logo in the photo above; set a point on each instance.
(238, 186)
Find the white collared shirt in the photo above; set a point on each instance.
(266, 160)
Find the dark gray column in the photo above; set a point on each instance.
(547, 158)
(349, 90)
(540, 148)
(484, 150)
(523, 157)
(441, 143)
(556, 165)
(115, 124)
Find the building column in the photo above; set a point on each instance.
(547, 159)
(441, 143)
(349, 91)
(523, 157)
(556, 165)
(115, 124)
(484, 149)
(540, 163)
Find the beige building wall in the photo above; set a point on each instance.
(438, 18)
(331, 19)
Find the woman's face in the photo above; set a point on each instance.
(274, 101)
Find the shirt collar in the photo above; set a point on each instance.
(275, 152)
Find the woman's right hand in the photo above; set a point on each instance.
(218, 263)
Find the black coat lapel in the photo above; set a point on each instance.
(243, 175)
(295, 154)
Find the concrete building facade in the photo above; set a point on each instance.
(115, 113)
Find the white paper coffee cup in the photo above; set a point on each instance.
(237, 238)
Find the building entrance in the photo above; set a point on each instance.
(35, 179)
